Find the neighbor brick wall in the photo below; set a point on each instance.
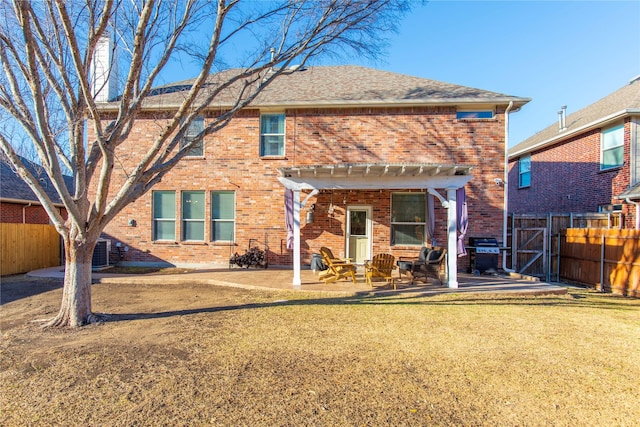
(23, 213)
(313, 136)
(566, 177)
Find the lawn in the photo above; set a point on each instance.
(204, 355)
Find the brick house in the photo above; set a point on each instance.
(18, 204)
(588, 162)
(371, 158)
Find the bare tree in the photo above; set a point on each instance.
(47, 95)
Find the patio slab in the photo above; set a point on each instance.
(281, 279)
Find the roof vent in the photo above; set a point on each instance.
(562, 119)
(634, 79)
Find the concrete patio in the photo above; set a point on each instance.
(281, 279)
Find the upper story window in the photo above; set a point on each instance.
(524, 171)
(612, 147)
(223, 216)
(164, 215)
(193, 215)
(408, 218)
(474, 114)
(272, 135)
(195, 128)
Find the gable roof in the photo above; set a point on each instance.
(621, 103)
(14, 189)
(337, 86)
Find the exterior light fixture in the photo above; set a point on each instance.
(311, 214)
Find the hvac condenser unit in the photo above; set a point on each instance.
(101, 253)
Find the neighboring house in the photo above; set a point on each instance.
(366, 148)
(588, 162)
(28, 241)
(18, 204)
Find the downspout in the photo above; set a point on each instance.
(637, 205)
(505, 216)
(24, 212)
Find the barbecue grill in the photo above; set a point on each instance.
(483, 255)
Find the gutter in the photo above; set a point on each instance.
(505, 183)
(432, 102)
(589, 126)
(24, 212)
(27, 202)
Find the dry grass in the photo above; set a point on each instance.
(201, 355)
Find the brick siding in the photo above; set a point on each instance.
(566, 177)
(23, 213)
(313, 136)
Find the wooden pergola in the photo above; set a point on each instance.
(378, 176)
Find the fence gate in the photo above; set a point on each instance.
(530, 248)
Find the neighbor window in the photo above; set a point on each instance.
(193, 215)
(612, 147)
(272, 135)
(461, 115)
(223, 215)
(164, 215)
(194, 129)
(408, 218)
(524, 171)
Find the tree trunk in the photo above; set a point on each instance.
(76, 295)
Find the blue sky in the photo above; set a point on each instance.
(557, 53)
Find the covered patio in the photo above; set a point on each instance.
(432, 178)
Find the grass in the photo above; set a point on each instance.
(201, 355)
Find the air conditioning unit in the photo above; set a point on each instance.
(101, 253)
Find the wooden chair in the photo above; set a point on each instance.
(427, 264)
(337, 268)
(382, 265)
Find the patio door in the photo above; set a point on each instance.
(358, 235)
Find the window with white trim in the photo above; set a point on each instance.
(193, 216)
(223, 216)
(164, 215)
(612, 147)
(408, 218)
(195, 128)
(524, 171)
(272, 134)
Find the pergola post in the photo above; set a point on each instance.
(297, 281)
(452, 239)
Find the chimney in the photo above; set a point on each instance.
(562, 119)
(104, 82)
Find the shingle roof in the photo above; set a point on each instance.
(14, 188)
(347, 85)
(631, 193)
(624, 101)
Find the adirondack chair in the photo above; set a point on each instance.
(382, 265)
(336, 268)
(427, 264)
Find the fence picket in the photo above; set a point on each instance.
(26, 247)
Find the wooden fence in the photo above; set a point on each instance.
(606, 259)
(534, 239)
(26, 247)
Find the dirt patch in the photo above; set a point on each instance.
(195, 354)
(145, 270)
